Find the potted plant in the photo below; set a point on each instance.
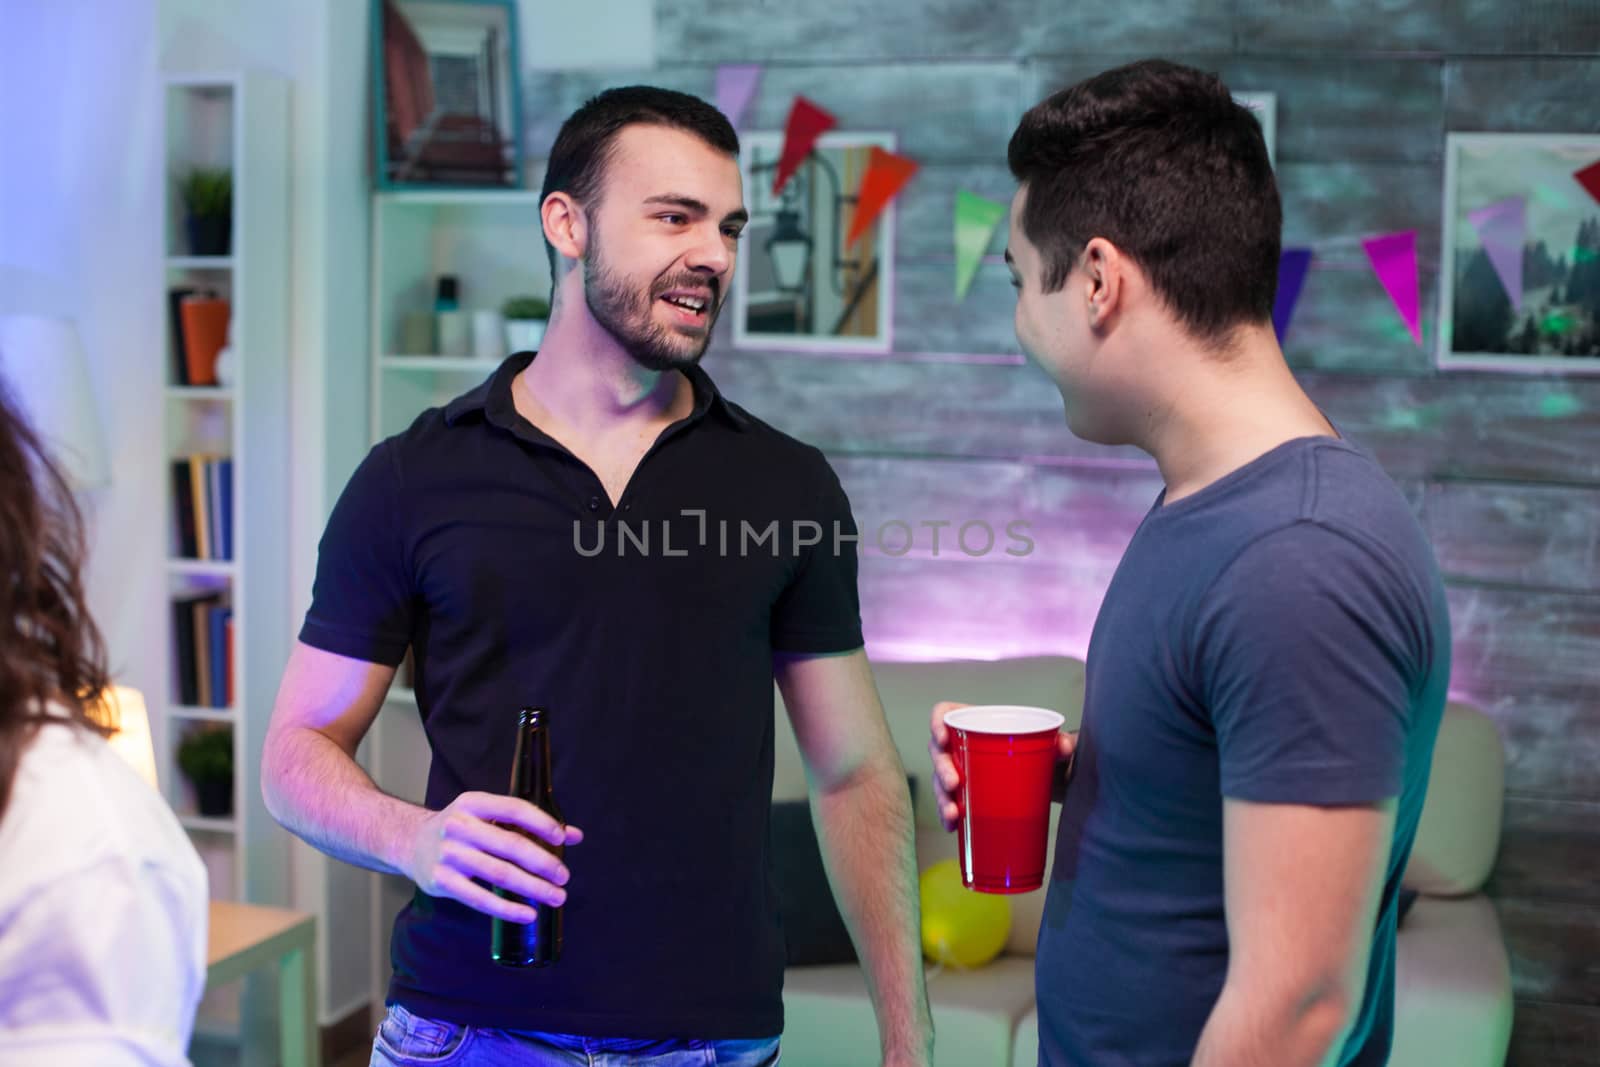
(206, 758)
(207, 194)
(525, 317)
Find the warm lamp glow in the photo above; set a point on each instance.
(132, 739)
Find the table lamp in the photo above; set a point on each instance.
(132, 739)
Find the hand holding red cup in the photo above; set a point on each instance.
(993, 770)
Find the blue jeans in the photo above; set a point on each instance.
(408, 1040)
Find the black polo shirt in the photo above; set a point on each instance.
(648, 630)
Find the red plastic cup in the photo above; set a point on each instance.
(1006, 754)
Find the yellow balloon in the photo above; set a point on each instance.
(960, 927)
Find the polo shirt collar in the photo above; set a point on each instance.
(494, 398)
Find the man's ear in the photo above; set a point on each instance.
(1105, 267)
(566, 226)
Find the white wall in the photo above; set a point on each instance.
(79, 235)
(594, 34)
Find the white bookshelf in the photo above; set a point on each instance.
(492, 241)
(237, 121)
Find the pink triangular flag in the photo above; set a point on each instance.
(1589, 178)
(736, 87)
(1501, 227)
(1394, 260)
(885, 176)
(807, 122)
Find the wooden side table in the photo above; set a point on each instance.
(244, 938)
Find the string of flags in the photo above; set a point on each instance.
(1501, 226)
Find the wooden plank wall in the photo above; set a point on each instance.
(1503, 470)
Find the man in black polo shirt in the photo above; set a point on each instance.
(598, 531)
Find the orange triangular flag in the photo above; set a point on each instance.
(886, 175)
(807, 122)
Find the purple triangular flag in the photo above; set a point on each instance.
(1394, 260)
(1292, 267)
(736, 87)
(1502, 227)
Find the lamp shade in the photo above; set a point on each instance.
(132, 739)
(41, 360)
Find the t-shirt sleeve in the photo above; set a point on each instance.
(819, 612)
(1309, 655)
(362, 602)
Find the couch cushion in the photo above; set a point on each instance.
(1452, 986)
(1452, 990)
(813, 930)
(829, 1022)
(1460, 829)
(1025, 1046)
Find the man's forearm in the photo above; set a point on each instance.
(1280, 1031)
(866, 830)
(321, 795)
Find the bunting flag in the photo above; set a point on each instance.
(1394, 260)
(1502, 226)
(736, 87)
(975, 220)
(807, 122)
(1292, 267)
(885, 176)
(1589, 178)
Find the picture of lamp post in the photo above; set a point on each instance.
(798, 286)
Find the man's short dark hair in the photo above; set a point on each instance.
(1161, 161)
(587, 140)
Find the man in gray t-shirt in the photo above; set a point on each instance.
(1269, 667)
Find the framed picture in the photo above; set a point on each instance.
(797, 287)
(1265, 105)
(446, 106)
(1519, 285)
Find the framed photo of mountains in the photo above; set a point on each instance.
(1520, 260)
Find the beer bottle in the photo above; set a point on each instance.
(535, 944)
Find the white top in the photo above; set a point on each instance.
(103, 913)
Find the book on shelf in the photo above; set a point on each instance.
(188, 546)
(197, 501)
(202, 496)
(202, 640)
(180, 364)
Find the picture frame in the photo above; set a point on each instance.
(796, 286)
(447, 104)
(1506, 194)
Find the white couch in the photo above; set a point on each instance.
(1453, 986)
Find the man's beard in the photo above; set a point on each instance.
(625, 314)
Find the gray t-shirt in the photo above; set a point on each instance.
(1280, 636)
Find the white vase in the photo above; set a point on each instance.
(524, 335)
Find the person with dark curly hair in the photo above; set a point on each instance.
(102, 896)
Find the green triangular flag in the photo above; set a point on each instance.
(976, 218)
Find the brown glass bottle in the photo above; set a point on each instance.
(535, 944)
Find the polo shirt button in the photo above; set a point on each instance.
(594, 503)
